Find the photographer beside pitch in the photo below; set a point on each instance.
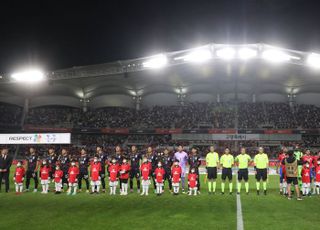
(291, 164)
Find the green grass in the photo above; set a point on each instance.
(84, 211)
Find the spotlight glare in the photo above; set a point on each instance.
(198, 56)
(247, 53)
(275, 56)
(227, 53)
(28, 76)
(156, 62)
(313, 60)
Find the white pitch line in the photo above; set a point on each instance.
(239, 214)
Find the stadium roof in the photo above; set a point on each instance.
(184, 75)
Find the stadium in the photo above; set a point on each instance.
(215, 95)
(160, 115)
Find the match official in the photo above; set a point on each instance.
(226, 162)
(212, 162)
(243, 160)
(261, 162)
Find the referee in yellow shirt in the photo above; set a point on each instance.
(261, 162)
(212, 162)
(226, 161)
(243, 160)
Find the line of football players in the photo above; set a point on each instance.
(69, 172)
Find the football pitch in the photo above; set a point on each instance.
(85, 211)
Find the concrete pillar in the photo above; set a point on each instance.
(254, 99)
(218, 98)
(137, 102)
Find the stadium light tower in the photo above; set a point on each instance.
(31, 76)
(313, 60)
(198, 55)
(246, 53)
(226, 53)
(156, 62)
(275, 56)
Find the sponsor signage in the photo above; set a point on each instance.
(35, 138)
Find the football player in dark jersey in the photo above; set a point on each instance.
(167, 163)
(102, 158)
(118, 154)
(150, 155)
(64, 162)
(83, 168)
(52, 160)
(32, 169)
(195, 162)
(135, 159)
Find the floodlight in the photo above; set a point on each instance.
(198, 55)
(246, 53)
(156, 62)
(226, 53)
(313, 60)
(28, 76)
(275, 56)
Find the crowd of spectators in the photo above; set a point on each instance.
(307, 116)
(280, 115)
(243, 115)
(10, 115)
(250, 115)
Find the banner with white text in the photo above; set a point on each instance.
(35, 138)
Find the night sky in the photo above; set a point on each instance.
(56, 34)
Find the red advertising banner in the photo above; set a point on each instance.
(115, 131)
(278, 131)
(168, 131)
(222, 131)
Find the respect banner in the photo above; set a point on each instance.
(35, 138)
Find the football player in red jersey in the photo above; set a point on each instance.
(124, 176)
(95, 170)
(193, 182)
(113, 170)
(281, 168)
(145, 169)
(73, 173)
(159, 176)
(58, 175)
(317, 170)
(316, 158)
(307, 157)
(19, 177)
(305, 176)
(176, 177)
(44, 176)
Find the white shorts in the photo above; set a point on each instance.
(112, 184)
(175, 184)
(305, 185)
(146, 182)
(58, 184)
(18, 183)
(44, 182)
(317, 184)
(95, 183)
(73, 184)
(159, 184)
